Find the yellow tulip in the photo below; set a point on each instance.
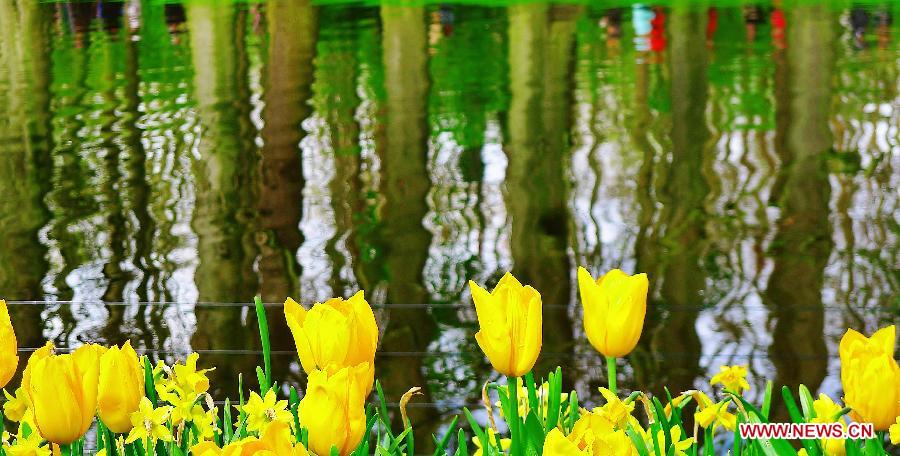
(211, 449)
(510, 324)
(335, 334)
(36, 356)
(63, 392)
(871, 377)
(121, 387)
(614, 310)
(276, 440)
(556, 444)
(9, 357)
(333, 411)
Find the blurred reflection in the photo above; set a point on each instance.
(540, 50)
(802, 243)
(677, 268)
(292, 28)
(222, 175)
(25, 144)
(403, 155)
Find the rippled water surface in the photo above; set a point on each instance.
(161, 164)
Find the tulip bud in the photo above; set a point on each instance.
(333, 411)
(9, 358)
(335, 334)
(614, 309)
(121, 387)
(63, 391)
(871, 377)
(510, 325)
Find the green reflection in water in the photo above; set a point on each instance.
(216, 150)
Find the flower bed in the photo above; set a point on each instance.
(132, 408)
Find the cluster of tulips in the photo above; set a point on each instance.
(136, 408)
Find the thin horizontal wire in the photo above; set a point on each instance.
(678, 308)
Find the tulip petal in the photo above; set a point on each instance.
(9, 358)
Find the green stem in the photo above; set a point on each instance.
(611, 373)
(513, 421)
(66, 450)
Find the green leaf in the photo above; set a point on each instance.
(241, 431)
(263, 381)
(767, 400)
(806, 401)
(553, 400)
(812, 448)
(227, 423)
(396, 447)
(382, 407)
(461, 444)
(573, 411)
(149, 384)
(475, 427)
(708, 444)
(875, 446)
(534, 434)
(264, 338)
(440, 447)
(531, 388)
(637, 441)
(852, 448)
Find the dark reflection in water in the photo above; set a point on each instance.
(159, 162)
(803, 238)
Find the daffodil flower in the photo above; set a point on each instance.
(615, 410)
(150, 423)
(678, 446)
(33, 445)
(715, 415)
(733, 378)
(264, 410)
(894, 431)
(16, 406)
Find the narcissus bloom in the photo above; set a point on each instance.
(261, 411)
(150, 423)
(17, 406)
(871, 377)
(333, 411)
(63, 392)
(615, 410)
(9, 358)
(614, 310)
(510, 322)
(715, 415)
(826, 409)
(733, 378)
(678, 445)
(335, 334)
(121, 387)
(33, 445)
